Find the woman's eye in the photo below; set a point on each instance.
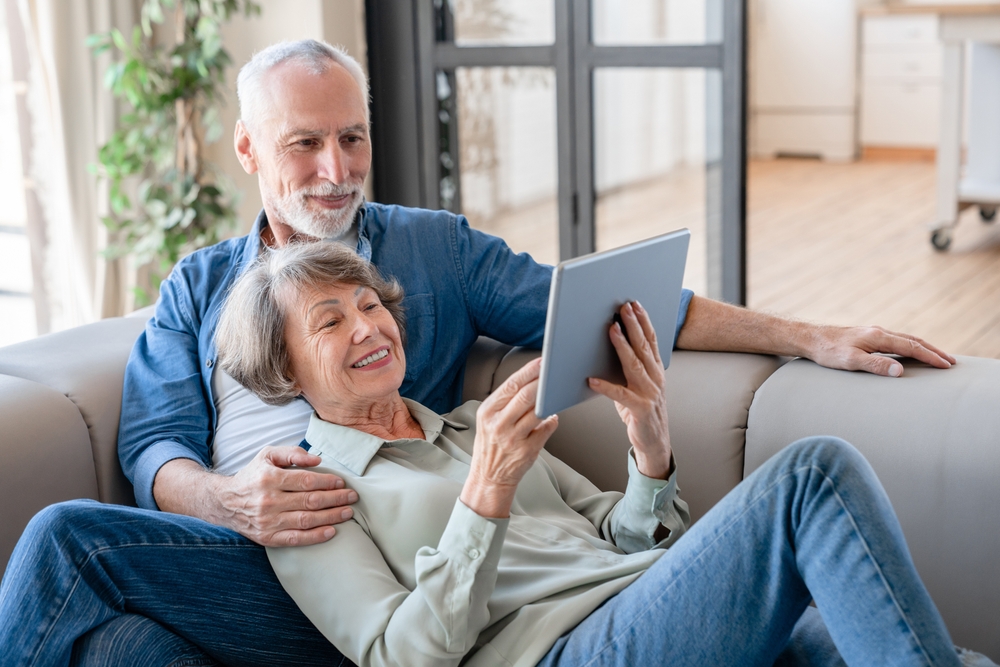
(330, 324)
(371, 306)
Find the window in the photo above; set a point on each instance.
(568, 126)
(17, 308)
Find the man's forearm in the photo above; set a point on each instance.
(720, 327)
(184, 486)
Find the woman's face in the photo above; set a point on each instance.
(344, 348)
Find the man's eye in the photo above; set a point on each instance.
(307, 142)
(331, 324)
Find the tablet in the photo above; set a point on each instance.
(584, 299)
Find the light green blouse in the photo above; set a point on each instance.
(417, 578)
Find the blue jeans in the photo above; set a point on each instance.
(111, 585)
(812, 523)
(92, 584)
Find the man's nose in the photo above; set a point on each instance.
(334, 164)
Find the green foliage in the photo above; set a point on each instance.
(165, 200)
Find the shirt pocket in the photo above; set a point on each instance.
(421, 332)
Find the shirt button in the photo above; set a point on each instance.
(473, 554)
(209, 363)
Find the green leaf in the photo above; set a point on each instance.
(119, 39)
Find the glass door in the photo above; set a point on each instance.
(569, 126)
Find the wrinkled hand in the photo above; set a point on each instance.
(509, 438)
(861, 349)
(642, 403)
(273, 502)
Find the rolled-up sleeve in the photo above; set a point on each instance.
(359, 605)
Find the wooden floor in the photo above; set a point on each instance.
(834, 243)
(849, 244)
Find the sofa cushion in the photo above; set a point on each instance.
(933, 438)
(46, 454)
(708, 398)
(87, 365)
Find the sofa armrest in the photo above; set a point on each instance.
(45, 455)
(86, 365)
(933, 438)
(708, 398)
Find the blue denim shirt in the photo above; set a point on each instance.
(459, 284)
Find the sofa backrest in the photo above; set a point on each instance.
(708, 399)
(68, 387)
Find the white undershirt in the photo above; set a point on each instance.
(245, 424)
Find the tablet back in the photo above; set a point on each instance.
(584, 298)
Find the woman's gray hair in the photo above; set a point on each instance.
(314, 55)
(250, 338)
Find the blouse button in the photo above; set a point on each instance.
(209, 363)
(473, 554)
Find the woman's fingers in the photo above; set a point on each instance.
(637, 376)
(641, 338)
(512, 406)
(615, 392)
(512, 386)
(647, 328)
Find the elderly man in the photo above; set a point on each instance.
(191, 584)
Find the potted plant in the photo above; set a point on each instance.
(165, 199)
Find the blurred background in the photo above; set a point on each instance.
(799, 141)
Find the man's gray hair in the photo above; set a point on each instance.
(250, 338)
(316, 56)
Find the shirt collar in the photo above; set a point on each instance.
(355, 449)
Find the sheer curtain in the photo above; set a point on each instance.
(72, 114)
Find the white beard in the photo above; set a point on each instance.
(293, 210)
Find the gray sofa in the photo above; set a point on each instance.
(933, 437)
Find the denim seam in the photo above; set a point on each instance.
(729, 526)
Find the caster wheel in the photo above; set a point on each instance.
(988, 213)
(941, 239)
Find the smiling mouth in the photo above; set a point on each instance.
(372, 358)
(332, 200)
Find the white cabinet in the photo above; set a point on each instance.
(802, 78)
(900, 81)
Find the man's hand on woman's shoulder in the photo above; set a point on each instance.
(273, 501)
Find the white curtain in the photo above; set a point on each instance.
(72, 114)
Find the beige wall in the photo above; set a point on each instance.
(336, 21)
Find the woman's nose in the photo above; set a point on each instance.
(364, 328)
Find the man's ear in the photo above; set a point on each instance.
(244, 148)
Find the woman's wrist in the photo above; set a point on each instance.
(487, 499)
(658, 466)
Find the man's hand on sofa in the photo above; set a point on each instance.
(272, 500)
(720, 327)
(862, 349)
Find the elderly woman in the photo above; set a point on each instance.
(471, 545)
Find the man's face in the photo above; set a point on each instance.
(310, 148)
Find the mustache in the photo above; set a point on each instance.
(329, 190)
